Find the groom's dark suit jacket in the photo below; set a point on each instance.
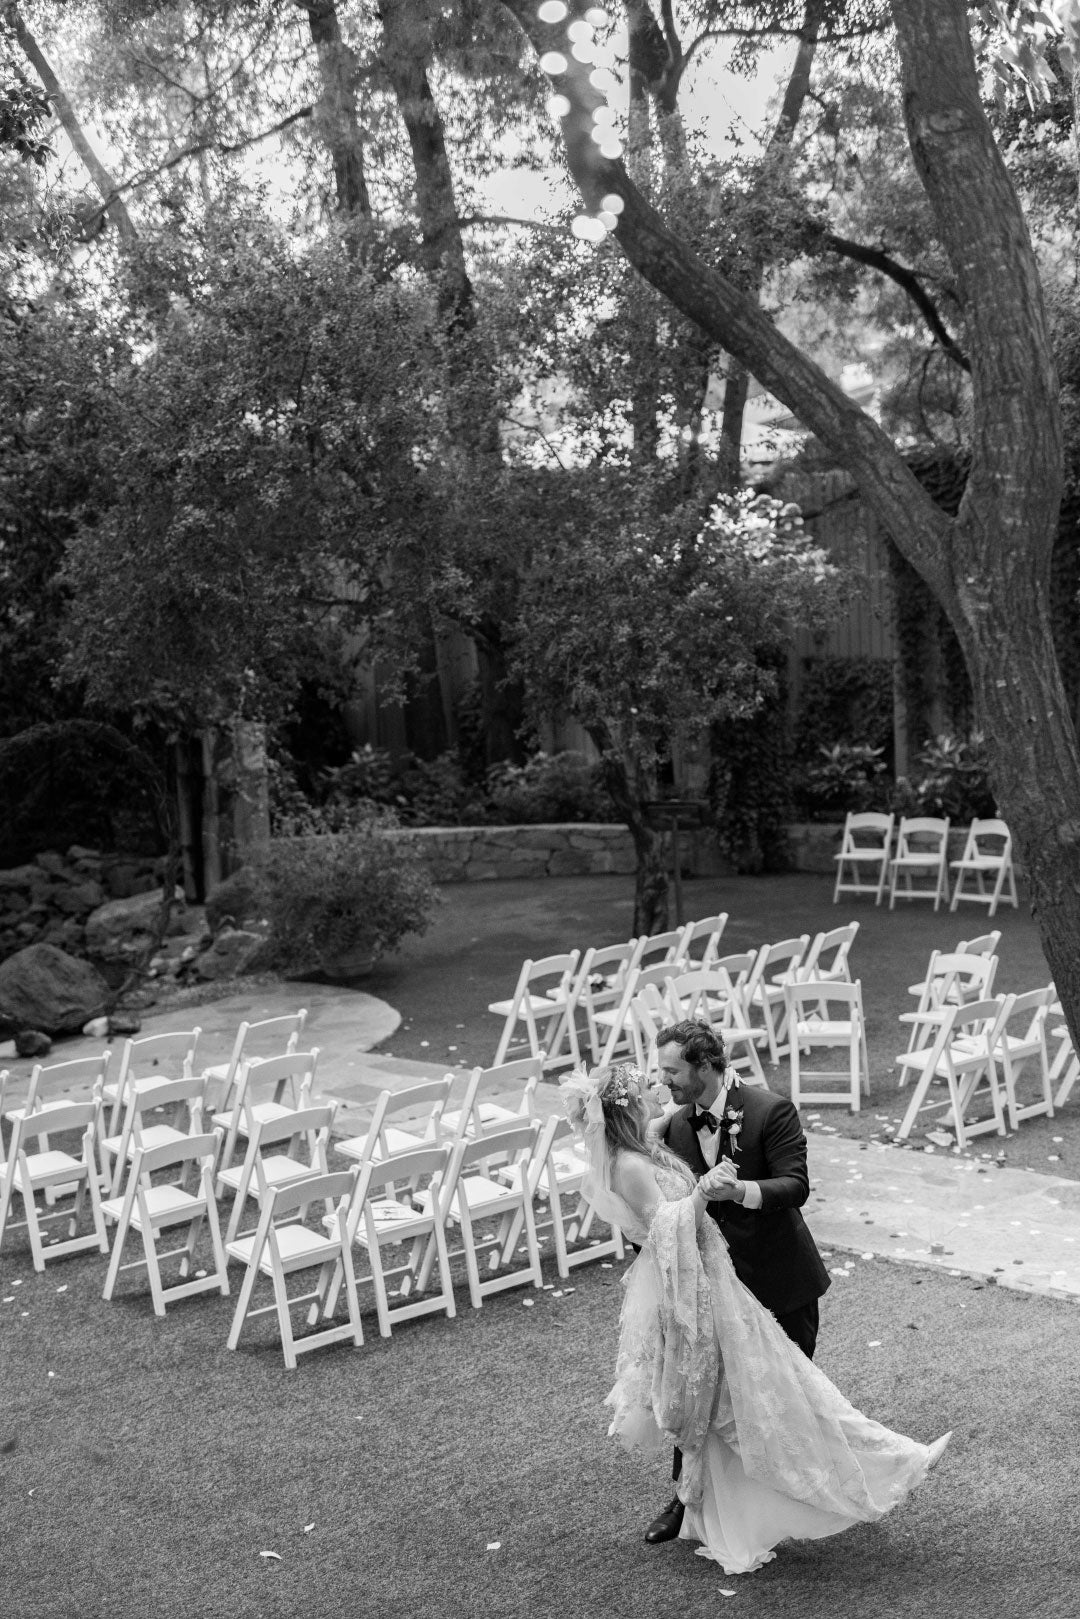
(772, 1251)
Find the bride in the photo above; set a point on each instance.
(771, 1449)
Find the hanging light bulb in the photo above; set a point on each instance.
(602, 79)
(583, 50)
(597, 16)
(587, 228)
(612, 203)
(552, 11)
(557, 106)
(611, 148)
(609, 221)
(554, 62)
(603, 114)
(579, 30)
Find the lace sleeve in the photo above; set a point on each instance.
(686, 1374)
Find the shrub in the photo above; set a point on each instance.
(846, 778)
(327, 894)
(951, 779)
(548, 787)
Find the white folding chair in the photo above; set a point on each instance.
(51, 1169)
(142, 1057)
(961, 1054)
(827, 1013)
(952, 979)
(467, 1199)
(667, 949)
(987, 854)
(922, 851)
(57, 1078)
(513, 1083)
(1019, 1047)
(144, 1097)
(700, 943)
(267, 1037)
(282, 1247)
(777, 966)
(864, 853)
(599, 986)
(542, 1002)
(1065, 1067)
(827, 957)
(985, 945)
(649, 1012)
(615, 1020)
(263, 1169)
(268, 1088)
(420, 1106)
(716, 995)
(380, 1216)
(149, 1209)
(557, 1171)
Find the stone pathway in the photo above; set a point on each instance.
(965, 1216)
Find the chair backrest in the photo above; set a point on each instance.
(701, 941)
(978, 1019)
(338, 1185)
(520, 1078)
(143, 1052)
(874, 829)
(1032, 1007)
(561, 967)
(306, 1121)
(823, 994)
(409, 1168)
(922, 835)
(53, 1121)
(648, 1014)
(827, 956)
(985, 945)
(297, 1070)
(271, 1036)
(786, 954)
(151, 1160)
(686, 992)
(738, 966)
(432, 1094)
(952, 976)
(660, 948)
(990, 830)
(76, 1071)
(512, 1141)
(604, 968)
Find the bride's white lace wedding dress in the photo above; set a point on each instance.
(771, 1449)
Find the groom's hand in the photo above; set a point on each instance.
(721, 1185)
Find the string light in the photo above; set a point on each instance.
(579, 30)
(602, 79)
(554, 62)
(588, 228)
(611, 148)
(583, 51)
(612, 203)
(557, 106)
(597, 16)
(553, 11)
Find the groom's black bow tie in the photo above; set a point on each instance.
(700, 1120)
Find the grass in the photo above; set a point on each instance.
(151, 1470)
(442, 982)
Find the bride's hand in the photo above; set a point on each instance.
(720, 1185)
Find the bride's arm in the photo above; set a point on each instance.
(634, 1179)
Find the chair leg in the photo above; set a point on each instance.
(243, 1303)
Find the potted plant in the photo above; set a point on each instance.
(338, 900)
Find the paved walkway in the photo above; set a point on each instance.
(965, 1216)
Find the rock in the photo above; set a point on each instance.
(79, 856)
(124, 878)
(22, 877)
(43, 988)
(7, 1049)
(121, 929)
(53, 863)
(124, 1023)
(79, 898)
(230, 954)
(32, 1043)
(97, 1028)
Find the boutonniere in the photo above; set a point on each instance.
(732, 1122)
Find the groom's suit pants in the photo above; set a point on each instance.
(801, 1327)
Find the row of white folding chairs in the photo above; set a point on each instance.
(983, 1048)
(919, 869)
(561, 1002)
(733, 993)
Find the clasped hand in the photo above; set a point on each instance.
(720, 1185)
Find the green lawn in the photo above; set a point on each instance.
(146, 1476)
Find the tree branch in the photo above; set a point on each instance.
(877, 259)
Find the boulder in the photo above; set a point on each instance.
(32, 1043)
(231, 953)
(121, 929)
(43, 988)
(124, 1023)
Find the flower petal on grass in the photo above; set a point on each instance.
(271, 1556)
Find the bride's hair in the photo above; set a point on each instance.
(621, 1092)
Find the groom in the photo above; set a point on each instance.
(751, 1144)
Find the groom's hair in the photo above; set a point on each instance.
(701, 1046)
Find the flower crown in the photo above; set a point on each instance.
(586, 1095)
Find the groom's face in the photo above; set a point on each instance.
(685, 1083)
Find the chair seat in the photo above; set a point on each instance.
(166, 1205)
(818, 1029)
(155, 1135)
(260, 1112)
(297, 1245)
(482, 1196)
(977, 863)
(397, 1141)
(279, 1170)
(876, 855)
(490, 1113)
(42, 1107)
(44, 1167)
(535, 1003)
(392, 1217)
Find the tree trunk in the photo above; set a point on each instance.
(335, 115)
(989, 566)
(630, 784)
(115, 207)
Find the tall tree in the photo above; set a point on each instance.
(988, 566)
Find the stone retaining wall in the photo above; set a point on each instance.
(48, 900)
(462, 854)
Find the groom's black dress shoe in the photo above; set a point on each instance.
(667, 1525)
